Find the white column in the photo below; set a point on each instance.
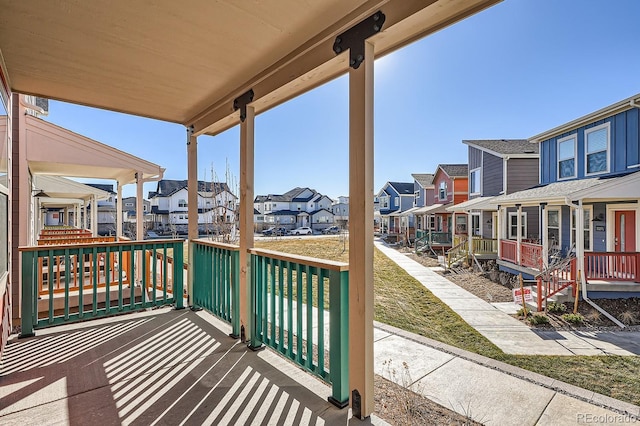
(192, 205)
(498, 226)
(579, 237)
(94, 216)
(247, 130)
(361, 231)
(544, 234)
(85, 219)
(519, 233)
(76, 215)
(66, 216)
(139, 207)
(119, 215)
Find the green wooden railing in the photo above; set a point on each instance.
(216, 286)
(75, 282)
(301, 308)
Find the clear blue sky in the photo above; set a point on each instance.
(512, 71)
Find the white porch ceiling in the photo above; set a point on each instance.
(186, 61)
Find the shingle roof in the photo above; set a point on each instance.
(289, 196)
(167, 187)
(455, 170)
(505, 146)
(403, 188)
(102, 186)
(424, 179)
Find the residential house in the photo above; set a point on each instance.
(106, 210)
(394, 198)
(340, 210)
(497, 167)
(450, 186)
(295, 208)
(128, 207)
(423, 197)
(588, 198)
(169, 206)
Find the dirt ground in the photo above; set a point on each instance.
(493, 286)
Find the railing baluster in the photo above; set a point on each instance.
(281, 312)
(320, 337)
(107, 280)
(67, 280)
(290, 310)
(50, 260)
(299, 296)
(309, 306)
(272, 300)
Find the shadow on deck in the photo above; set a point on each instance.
(157, 367)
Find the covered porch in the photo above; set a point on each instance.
(280, 50)
(588, 235)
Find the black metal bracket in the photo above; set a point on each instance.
(353, 39)
(190, 131)
(240, 103)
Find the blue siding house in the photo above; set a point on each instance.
(589, 202)
(394, 198)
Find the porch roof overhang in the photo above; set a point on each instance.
(187, 62)
(478, 203)
(592, 189)
(409, 212)
(433, 209)
(56, 151)
(62, 192)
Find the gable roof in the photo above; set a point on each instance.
(505, 147)
(103, 187)
(455, 170)
(168, 187)
(290, 196)
(424, 179)
(402, 188)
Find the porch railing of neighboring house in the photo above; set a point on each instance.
(485, 246)
(216, 286)
(74, 282)
(509, 250)
(457, 253)
(531, 255)
(555, 279)
(611, 266)
(301, 308)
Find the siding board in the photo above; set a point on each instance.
(492, 173)
(522, 173)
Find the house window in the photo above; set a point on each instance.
(461, 224)
(396, 201)
(597, 149)
(513, 225)
(440, 224)
(416, 198)
(431, 222)
(588, 214)
(474, 181)
(567, 157)
(384, 201)
(475, 224)
(128, 204)
(182, 203)
(442, 193)
(553, 229)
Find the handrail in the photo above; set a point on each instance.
(618, 266)
(310, 261)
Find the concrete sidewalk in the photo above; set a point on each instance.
(506, 332)
(487, 390)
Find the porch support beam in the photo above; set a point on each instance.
(119, 215)
(519, 232)
(85, 222)
(247, 158)
(361, 235)
(499, 230)
(139, 206)
(94, 216)
(544, 234)
(192, 204)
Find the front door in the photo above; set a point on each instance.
(625, 232)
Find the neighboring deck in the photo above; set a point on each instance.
(158, 367)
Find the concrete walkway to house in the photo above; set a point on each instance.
(506, 332)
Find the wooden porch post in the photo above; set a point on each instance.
(119, 217)
(85, 222)
(361, 233)
(192, 204)
(519, 233)
(94, 216)
(579, 238)
(139, 207)
(498, 226)
(544, 236)
(246, 218)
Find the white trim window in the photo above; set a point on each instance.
(554, 236)
(513, 225)
(588, 214)
(442, 191)
(396, 201)
(384, 202)
(474, 182)
(567, 148)
(416, 198)
(431, 222)
(596, 150)
(475, 224)
(182, 203)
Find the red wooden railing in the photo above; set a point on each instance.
(556, 280)
(531, 255)
(509, 250)
(611, 266)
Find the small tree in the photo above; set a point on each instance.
(223, 221)
(558, 263)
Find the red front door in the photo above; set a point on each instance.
(625, 237)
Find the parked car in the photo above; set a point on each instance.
(303, 230)
(273, 231)
(331, 230)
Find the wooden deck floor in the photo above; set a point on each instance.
(157, 367)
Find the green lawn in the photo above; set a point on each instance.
(403, 302)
